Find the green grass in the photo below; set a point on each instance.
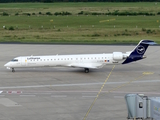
(78, 29)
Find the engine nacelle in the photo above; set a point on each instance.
(118, 56)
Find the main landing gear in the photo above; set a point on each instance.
(86, 70)
(13, 70)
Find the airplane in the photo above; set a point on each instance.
(86, 61)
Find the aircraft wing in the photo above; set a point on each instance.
(87, 65)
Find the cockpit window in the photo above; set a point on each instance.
(14, 60)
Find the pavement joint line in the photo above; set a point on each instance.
(89, 96)
(59, 96)
(27, 95)
(79, 84)
(98, 94)
(89, 93)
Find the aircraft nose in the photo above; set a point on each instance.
(6, 65)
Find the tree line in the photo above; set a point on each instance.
(50, 1)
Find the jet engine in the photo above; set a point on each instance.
(117, 56)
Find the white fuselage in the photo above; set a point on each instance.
(82, 61)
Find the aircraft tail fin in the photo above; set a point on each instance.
(138, 52)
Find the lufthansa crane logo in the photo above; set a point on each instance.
(140, 49)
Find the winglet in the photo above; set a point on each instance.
(138, 52)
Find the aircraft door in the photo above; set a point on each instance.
(24, 61)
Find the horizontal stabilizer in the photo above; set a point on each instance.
(149, 42)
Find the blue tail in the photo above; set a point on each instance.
(138, 52)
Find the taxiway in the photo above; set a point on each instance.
(69, 93)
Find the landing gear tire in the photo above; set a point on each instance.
(86, 70)
(13, 70)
